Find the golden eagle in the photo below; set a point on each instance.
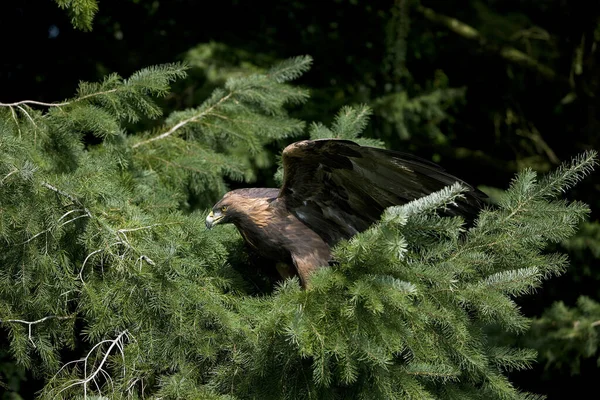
(332, 189)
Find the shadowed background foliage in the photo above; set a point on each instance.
(484, 88)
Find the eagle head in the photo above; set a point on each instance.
(242, 206)
(223, 212)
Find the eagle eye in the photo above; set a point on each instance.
(224, 208)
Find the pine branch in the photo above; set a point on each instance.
(124, 98)
(434, 201)
(511, 359)
(64, 103)
(569, 174)
(351, 121)
(440, 372)
(180, 124)
(565, 335)
(290, 69)
(82, 12)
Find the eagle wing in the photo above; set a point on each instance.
(339, 188)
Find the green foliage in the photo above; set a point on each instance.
(225, 133)
(586, 239)
(403, 313)
(565, 335)
(97, 247)
(348, 124)
(524, 81)
(82, 12)
(407, 108)
(217, 61)
(422, 113)
(106, 257)
(12, 378)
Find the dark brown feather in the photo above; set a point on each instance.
(339, 188)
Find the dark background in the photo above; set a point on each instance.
(435, 92)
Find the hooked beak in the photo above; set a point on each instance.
(212, 219)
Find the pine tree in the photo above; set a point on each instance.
(111, 287)
(101, 255)
(79, 221)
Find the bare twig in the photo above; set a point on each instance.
(123, 230)
(195, 118)
(122, 239)
(66, 103)
(38, 103)
(24, 111)
(14, 115)
(67, 213)
(85, 261)
(34, 236)
(73, 219)
(63, 224)
(13, 171)
(87, 214)
(31, 323)
(20, 104)
(118, 242)
(118, 343)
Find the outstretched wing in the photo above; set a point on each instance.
(339, 188)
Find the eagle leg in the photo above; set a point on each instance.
(307, 263)
(285, 270)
